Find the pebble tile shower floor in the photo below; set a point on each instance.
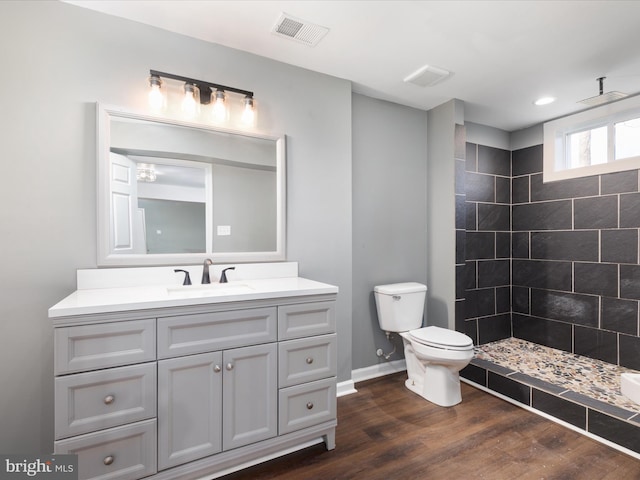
(592, 378)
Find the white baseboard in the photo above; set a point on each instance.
(346, 388)
(379, 370)
(367, 373)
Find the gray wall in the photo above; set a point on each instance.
(173, 226)
(245, 200)
(441, 200)
(526, 137)
(57, 61)
(488, 136)
(389, 212)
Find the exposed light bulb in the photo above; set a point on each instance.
(219, 109)
(156, 97)
(191, 100)
(248, 113)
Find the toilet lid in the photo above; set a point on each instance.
(442, 338)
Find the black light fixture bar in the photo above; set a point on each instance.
(202, 85)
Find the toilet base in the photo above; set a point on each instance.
(433, 374)
(447, 386)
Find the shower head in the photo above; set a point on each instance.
(603, 98)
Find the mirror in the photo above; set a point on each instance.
(173, 192)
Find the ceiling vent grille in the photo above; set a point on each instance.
(299, 30)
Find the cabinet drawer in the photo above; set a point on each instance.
(306, 405)
(306, 359)
(96, 400)
(122, 453)
(200, 333)
(89, 347)
(304, 320)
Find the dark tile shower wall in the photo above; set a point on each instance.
(575, 272)
(553, 263)
(484, 264)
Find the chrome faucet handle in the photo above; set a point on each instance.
(205, 271)
(223, 277)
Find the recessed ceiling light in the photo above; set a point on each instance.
(544, 101)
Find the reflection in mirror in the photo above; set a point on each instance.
(173, 192)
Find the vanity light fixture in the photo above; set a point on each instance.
(248, 112)
(219, 109)
(191, 100)
(157, 98)
(199, 92)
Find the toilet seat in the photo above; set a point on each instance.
(442, 338)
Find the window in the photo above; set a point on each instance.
(600, 140)
(627, 139)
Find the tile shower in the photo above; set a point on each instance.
(550, 269)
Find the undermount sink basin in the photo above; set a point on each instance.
(630, 386)
(209, 290)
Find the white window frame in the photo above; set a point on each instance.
(557, 131)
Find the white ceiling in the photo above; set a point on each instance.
(503, 54)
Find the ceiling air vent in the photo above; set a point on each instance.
(299, 30)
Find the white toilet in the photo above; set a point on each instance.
(434, 355)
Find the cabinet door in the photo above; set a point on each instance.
(189, 408)
(250, 395)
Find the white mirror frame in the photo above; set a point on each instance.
(105, 257)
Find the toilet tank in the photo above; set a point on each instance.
(400, 306)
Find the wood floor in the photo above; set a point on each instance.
(386, 432)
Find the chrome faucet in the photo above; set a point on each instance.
(205, 271)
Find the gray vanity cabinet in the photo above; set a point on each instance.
(215, 401)
(187, 392)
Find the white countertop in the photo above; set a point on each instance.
(119, 299)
